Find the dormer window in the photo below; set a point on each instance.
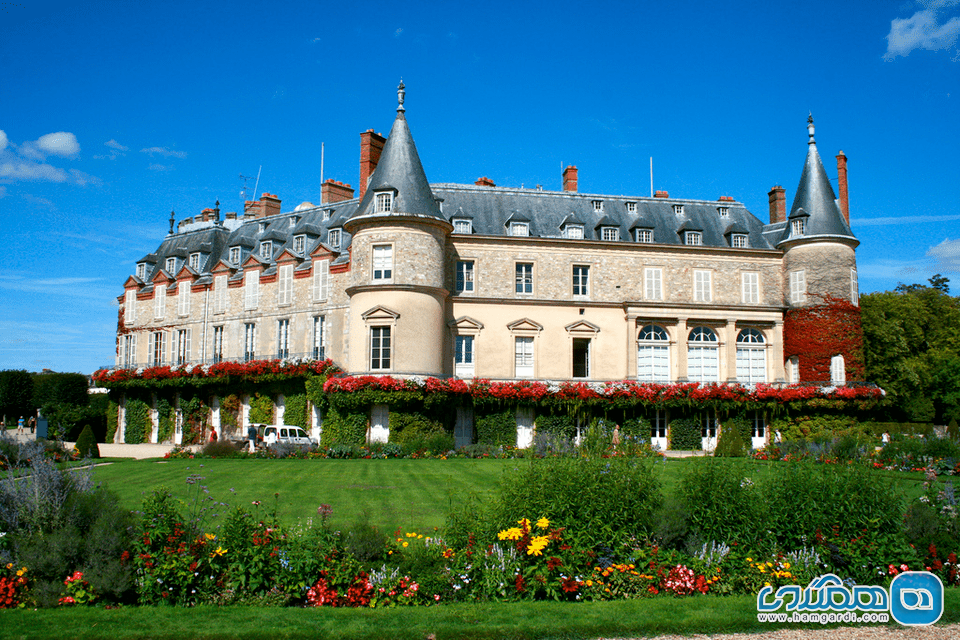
(333, 239)
(631, 207)
(195, 261)
(294, 220)
(462, 225)
(327, 214)
(724, 212)
(598, 205)
(141, 270)
(384, 202)
(678, 209)
(266, 249)
(299, 243)
(235, 255)
(171, 266)
(610, 233)
(694, 238)
(644, 235)
(738, 240)
(519, 229)
(799, 227)
(573, 231)
(261, 227)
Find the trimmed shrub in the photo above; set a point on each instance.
(87, 444)
(137, 420)
(685, 435)
(113, 414)
(497, 429)
(262, 409)
(730, 443)
(343, 429)
(295, 411)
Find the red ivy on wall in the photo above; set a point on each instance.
(817, 333)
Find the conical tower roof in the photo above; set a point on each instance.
(815, 201)
(399, 170)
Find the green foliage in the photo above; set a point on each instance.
(195, 412)
(730, 443)
(138, 421)
(407, 427)
(229, 414)
(557, 425)
(57, 388)
(87, 444)
(343, 428)
(685, 435)
(597, 438)
(638, 427)
(66, 421)
(222, 449)
(813, 427)
(112, 421)
(16, 395)
(166, 420)
(261, 409)
(295, 410)
(497, 429)
(720, 503)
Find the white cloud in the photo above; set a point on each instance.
(3, 140)
(155, 166)
(947, 255)
(28, 160)
(396, 34)
(61, 143)
(113, 144)
(163, 151)
(17, 169)
(885, 221)
(923, 30)
(116, 150)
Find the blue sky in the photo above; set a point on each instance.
(114, 113)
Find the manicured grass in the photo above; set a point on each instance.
(522, 620)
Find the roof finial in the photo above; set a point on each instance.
(810, 129)
(171, 220)
(400, 95)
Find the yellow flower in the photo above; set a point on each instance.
(786, 565)
(766, 584)
(537, 545)
(769, 564)
(543, 523)
(20, 572)
(219, 551)
(523, 522)
(209, 536)
(406, 544)
(420, 536)
(749, 559)
(762, 568)
(589, 583)
(513, 533)
(9, 565)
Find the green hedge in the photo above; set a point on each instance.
(685, 435)
(295, 411)
(166, 420)
(497, 429)
(558, 425)
(112, 421)
(261, 409)
(343, 428)
(638, 427)
(138, 419)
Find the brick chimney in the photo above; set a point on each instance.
(661, 194)
(842, 186)
(335, 191)
(726, 199)
(570, 178)
(484, 182)
(371, 145)
(251, 209)
(206, 215)
(778, 204)
(269, 204)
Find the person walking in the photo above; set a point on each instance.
(252, 436)
(20, 426)
(33, 424)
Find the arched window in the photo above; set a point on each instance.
(793, 370)
(703, 355)
(838, 372)
(653, 354)
(751, 357)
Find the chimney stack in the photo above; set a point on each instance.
(570, 178)
(842, 186)
(371, 145)
(484, 182)
(335, 191)
(661, 194)
(778, 204)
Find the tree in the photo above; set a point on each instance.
(16, 394)
(69, 388)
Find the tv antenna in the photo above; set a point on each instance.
(244, 194)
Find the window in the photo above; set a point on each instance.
(171, 266)
(799, 227)
(838, 372)
(251, 290)
(195, 261)
(130, 308)
(285, 285)
(658, 427)
(384, 202)
(299, 243)
(724, 212)
(798, 287)
(793, 370)
(703, 364)
(523, 357)
(333, 239)
(181, 346)
(644, 235)
(854, 288)
(598, 205)
(157, 347)
(693, 238)
(701, 286)
(464, 275)
(319, 338)
(249, 342)
(218, 344)
(519, 229)
(141, 270)
(183, 299)
(581, 357)
(261, 227)
(382, 262)
(327, 214)
(581, 280)
(738, 241)
(292, 221)
(462, 226)
(266, 249)
(653, 278)
(283, 338)
(220, 294)
(524, 278)
(463, 358)
(751, 357)
(653, 354)
(321, 280)
(159, 301)
(678, 209)
(380, 348)
(573, 231)
(610, 233)
(631, 207)
(750, 285)
(129, 346)
(235, 255)
(708, 426)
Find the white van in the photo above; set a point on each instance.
(273, 434)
